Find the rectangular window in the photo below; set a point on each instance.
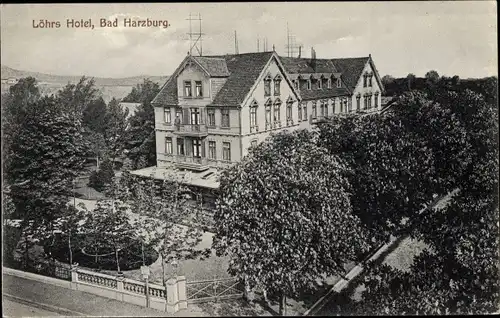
(322, 109)
(339, 83)
(166, 115)
(314, 111)
(305, 111)
(225, 118)
(358, 102)
(376, 100)
(309, 84)
(267, 87)
(187, 89)
(196, 147)
(212, 154)
(211, 117)
(364, 80)
(329, 83)
(300, 111)
(333, 105)
(199, 89)
(195, 116)
(226, 151)
(320, 84)
(370, 81)
(168, 145)
(253, 144)
(180, 146)
(326, 109)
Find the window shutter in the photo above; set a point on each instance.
(185, 112)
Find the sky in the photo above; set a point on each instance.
(451, 37)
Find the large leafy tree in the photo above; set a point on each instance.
(94, 115)
(284, 216)
(391, 169)
(15, 107)
(459, 272)
(115, 129)
(77, 97)
(44, 159)
(140, 140)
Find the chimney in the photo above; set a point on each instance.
(300, 50)
(313, 58)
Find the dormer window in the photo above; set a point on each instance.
(199, 89)
(187, 89)
(267, 85)
(320, 83)
(309, 84)
(339, 83)
(329, 83)
(277, 84)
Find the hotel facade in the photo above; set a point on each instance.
(214, 108)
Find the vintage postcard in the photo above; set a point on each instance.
(250, 159)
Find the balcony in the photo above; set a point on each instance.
(192, 163)
(197, 130)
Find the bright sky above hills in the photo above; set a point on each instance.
(453, 37)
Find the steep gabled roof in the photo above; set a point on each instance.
(294, 65)
(351, 69)
(215, 67)
(244, 70)
(323, 93)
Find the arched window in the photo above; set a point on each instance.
(268, 113)
(314, 110)
(309, 84)
(339, 83)
(267, 85)
(276, 113)
(253, 115)
(329, 83)
(277, 85)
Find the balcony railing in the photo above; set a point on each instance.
(192, 130)
(195, 163)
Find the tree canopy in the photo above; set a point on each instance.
(284, 215)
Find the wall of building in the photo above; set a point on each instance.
(193, 73)
(258, 95)
(359, 89)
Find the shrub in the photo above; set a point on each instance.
(99, 179)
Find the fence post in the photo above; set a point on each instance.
(119, 286)
(172, 296)
(74, 276)
(181, 289)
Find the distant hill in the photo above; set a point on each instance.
(7, 72)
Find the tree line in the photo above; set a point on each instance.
(302, 204)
